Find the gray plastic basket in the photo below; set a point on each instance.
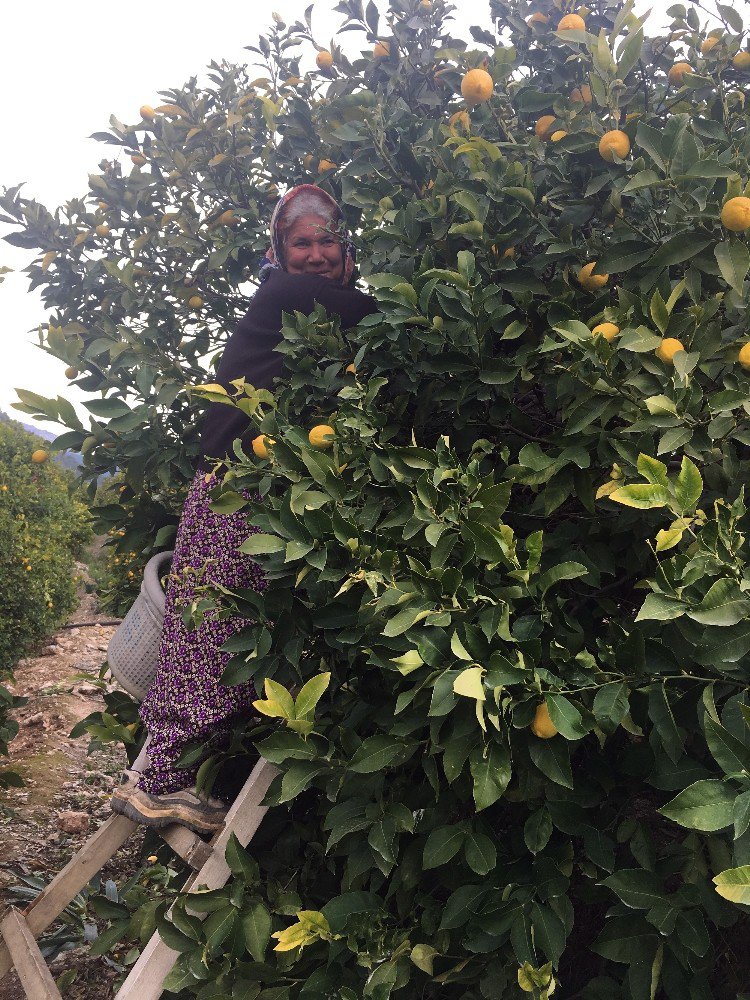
(133, 650)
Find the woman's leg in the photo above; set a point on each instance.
(186, 701)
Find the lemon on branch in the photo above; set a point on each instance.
(320, 436)
(735, 214)
(607, 330)
(678, 72)
(744, 356)
(542, 725)
(477, 86)
(667, 349)
(571, 22)
(324, 59)
(591, 282)
(613, 142)
(39, 456)
(260, 444)
(544, 126)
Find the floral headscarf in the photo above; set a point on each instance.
(329, 209)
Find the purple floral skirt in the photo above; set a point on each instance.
(186, 701)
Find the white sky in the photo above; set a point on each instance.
(65, 67)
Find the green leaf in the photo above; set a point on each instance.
(704, 805)
(480, 853)
(642, 495)
(375, 754)
(724, 604)
(563, 571)
(298, 777)
(256, 927)
(537, 830)
(565, 716)
(442, 845)
(552, 757)
(733, 259)
(611, 702)
(491, 771)
(689, 486)
(658, 310)
(734, 884)
(637, 888)
(731, 754)
(262, 544)
(549, 931)
(240, 862)
(423, 956)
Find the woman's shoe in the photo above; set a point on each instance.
(186, 807)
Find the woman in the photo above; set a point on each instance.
(311, 259)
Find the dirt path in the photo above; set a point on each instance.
(67, 792)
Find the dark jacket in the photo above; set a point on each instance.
(250, 350)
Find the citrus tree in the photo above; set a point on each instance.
(502, 659)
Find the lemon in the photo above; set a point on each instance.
(319, 436)
(195, 301)
(545, 126)
(613, 142)
(735, 214)
(607, 330)
(744, 356)
(324, 59)
(542, 726)
(582, 95)
(147, 113)
(381, 50)
(39, 456)
(557, 136)
(477, 86)
(571, 22)
(71, 373)
(741, 61)
(259, 445)
(678, 72)
(591, 282)
(667, 349)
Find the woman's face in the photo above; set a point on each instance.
(309, 249)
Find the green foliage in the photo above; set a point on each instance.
(512, 512)
(43, 528)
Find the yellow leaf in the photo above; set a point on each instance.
(193, 132)
(469, 683)
(80, 238)
(47, 260)
(271, 708)
(292, 937)
(211, 387)
(278, 694)
(408, 662)
(667, 538)
(606, 488)
(216, 160)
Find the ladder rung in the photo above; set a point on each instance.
(191, 848)
(32, 970)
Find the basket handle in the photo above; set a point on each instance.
(152, 571)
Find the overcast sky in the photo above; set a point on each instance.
(64, 68)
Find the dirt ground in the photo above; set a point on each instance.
(66, 796)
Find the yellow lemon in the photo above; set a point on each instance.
(557, 136)
(591, 282)
(741, 61)
(351, 369)
(259, 445)
(537, 20)
(613, 142)
(607, 330)
(510, 253)
(195, 301)
(39, 456)
(324, 59)
(71, 373)
(542, 726)
(678, 72)
(571, 22)
(147, 113)
(735, 214)
(744, 356)
(318, 435)
(709, 43)
(381, 50)
(138, 160)
(667, 349)
(477, 86)
(325, 165)
(102, 230)
(544, 126)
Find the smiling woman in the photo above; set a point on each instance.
(311, 259)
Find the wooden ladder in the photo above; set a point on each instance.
(20, 929)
